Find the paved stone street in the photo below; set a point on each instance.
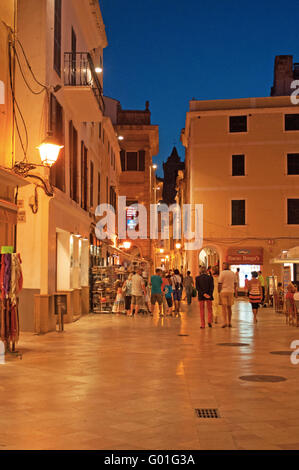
(111, 382)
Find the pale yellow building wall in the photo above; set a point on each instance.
(265, 186)
(37, 238)
(6, 147)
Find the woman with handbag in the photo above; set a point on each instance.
(255, 294)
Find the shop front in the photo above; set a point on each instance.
(247, 260)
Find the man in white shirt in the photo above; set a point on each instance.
(138, 291)
(226, 287)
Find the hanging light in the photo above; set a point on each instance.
(178, 246)
(98, 69)
(49, 151)
(127, 245)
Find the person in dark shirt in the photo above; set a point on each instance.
(205, 287)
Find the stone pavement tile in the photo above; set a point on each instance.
(217, 441)
(246, 441)
(84, 387)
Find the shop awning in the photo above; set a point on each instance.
(247, 255)
(287, 256)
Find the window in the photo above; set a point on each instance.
(73, 146)
(57, 37)
(238, 165)
(84, 176)
(293, 163)
(238, 212)
(112, 197)
(99, 189)
(123, 160)
(291, 122)
(238, 124)
(91, 183)
(132, 161)
(293, 211)
(57, 172)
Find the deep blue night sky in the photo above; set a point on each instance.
(169, 51)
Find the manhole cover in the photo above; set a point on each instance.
(207, 413)
(233, 344)
(282, 353)
(263, 378)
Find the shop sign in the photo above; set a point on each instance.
(245, 256)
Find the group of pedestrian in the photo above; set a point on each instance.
(164, 289)
(216, 291)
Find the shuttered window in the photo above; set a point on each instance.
(238, 212)
(293, 211)
(238, 124)
(57, 172)
(238, 165)
(293, 163)
(57, 37)
(291, 122)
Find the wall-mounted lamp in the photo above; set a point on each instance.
(49, 151)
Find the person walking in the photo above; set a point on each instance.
(255, 294)
(205, 287)
(226, 288)
(138, 292)
(177, 287)
(237, 274)
(216, 302)
(188, 284)
(127, 292)
(168, 296)
(246, 284)
(156, 292)
(165, 282)
(262, 281)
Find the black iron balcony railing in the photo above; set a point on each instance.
(79, 70)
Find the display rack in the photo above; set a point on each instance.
(104, 287)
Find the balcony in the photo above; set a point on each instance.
(82, 88)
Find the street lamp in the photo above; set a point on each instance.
(178, 246)
(49, 151)
(127, 245)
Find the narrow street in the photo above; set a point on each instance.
(111, 382)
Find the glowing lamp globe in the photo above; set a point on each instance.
(127, 245)
(49, 151)
(178, 246)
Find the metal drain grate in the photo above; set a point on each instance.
(281, 353)
(183, 335)
(263, 378)
(233, 344)
(207, 413)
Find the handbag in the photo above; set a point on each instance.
(194, 292)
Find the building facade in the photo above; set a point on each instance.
(242, 164)
(139, 142)
(63, 42)
(9, 181)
